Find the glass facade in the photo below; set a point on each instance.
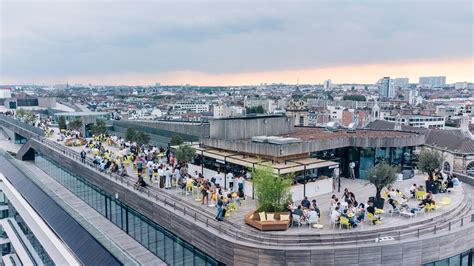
(366, 158)
(463, 259)
(164, 244)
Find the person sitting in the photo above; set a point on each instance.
(298, 211)
(335, 214)
(371, 210)
(361, 213)
(455, 181)
(315, 206)
(306, 203)
(393, 203)
(313, 216)
(291, 206)
(123, 170)
(140, 182)
(413, 190)
(345, 214)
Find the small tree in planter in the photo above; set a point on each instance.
(381, 175)
(184, 154)
(272, 191)
(75, 124)
(429, 161)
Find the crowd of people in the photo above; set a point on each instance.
(158, 165)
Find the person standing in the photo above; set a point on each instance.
(83, 156)
(352, 170)
(167, 178)
(220, 209)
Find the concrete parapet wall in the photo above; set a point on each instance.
(191, 129)
(248, 127)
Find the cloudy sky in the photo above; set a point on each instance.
(233, 42)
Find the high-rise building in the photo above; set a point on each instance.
(385, 87)
(327, 84)
(432, 82)
(400, 82)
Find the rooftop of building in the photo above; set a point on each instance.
(81, 114)
(321, 133)
(452, 140)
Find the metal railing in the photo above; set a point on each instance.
(435, 224)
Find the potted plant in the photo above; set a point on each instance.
(272, 195)
(429, 161)
(381, 175)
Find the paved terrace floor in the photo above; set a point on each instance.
(360, 188)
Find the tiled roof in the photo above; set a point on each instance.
(452, 140)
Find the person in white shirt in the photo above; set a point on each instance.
(230, 181)
(335, 214)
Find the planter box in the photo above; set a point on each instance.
(253, 219)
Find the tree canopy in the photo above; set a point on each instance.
(272, 191)
(75, 124)
(137, 136)
(100, 127)
(255, 110)
(62, 122)
(429, 161)
(176, 140)
(354, 97)
(184, 153)
(382, 175)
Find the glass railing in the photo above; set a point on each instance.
(164, 244)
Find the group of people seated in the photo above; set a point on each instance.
(347, 209)
(306, 211)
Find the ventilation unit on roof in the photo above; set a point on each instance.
(332, 126)
(351, 128)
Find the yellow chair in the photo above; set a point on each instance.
(378, 211)
(420, 195)
(344, 222)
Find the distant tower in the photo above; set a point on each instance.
(376, 111)
(398, 123)
(464, 123)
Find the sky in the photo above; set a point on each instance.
(233, 42)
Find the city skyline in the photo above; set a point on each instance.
(233, 44)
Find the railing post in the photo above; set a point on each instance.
(418, 232)
(435, 229)
(195, 216)
(462, 221)
(449, 226)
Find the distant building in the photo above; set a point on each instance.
(222, 111)
(386, 88)
(432, 122)
(299, 110)
(432, 82)
(461, 85)
(400, 82)
(5, 93)
(327, 84)
(196, 107)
